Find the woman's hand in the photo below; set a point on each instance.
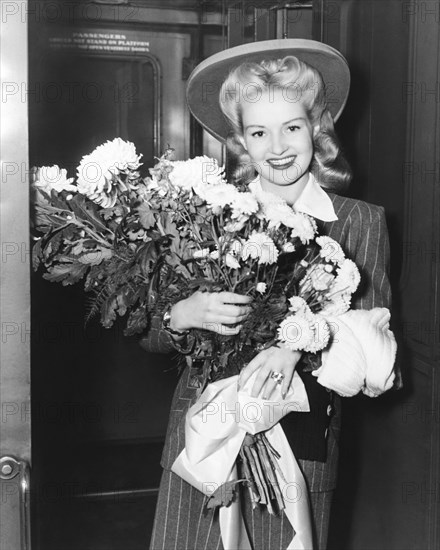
(214, 311)
(275, 359)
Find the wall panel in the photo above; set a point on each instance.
(388, 495)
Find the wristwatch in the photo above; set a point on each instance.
(166, 325)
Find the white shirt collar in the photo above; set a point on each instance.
(313, 200)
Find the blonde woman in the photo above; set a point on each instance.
(274, 104)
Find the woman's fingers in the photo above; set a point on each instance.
(233, 298)
(257, 364)
(260, 382)
(212, 311)
(225, 330)
(226, 314)
(273, 383)
(228, 320)
(269, 387)
(248, 371)
(234, 311)
(276, 367)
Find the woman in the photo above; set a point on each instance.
(271, 109)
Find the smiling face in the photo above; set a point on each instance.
(278, 138)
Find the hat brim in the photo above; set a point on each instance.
(205, 81)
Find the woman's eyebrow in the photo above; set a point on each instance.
(283, 124)
(293, 119)
(253, 126)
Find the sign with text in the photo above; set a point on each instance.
(91, 40)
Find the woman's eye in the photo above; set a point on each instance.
(293, 128)
(258, 133)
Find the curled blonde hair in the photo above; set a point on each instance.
(249, 80)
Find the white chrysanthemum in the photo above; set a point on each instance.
(338, 305)
(299, 306)
(196, 173)
(231, 261)
(53, 177)
(218, 196)
(152, 185)
(230, 258)
(202, 253)
(264, 197)
(278, 213)
(261, 288)
(295, 332)
(288, 247)
(236, 225)
(244, 204)
(348, 277)
(297, 303)
(321, 335)
(330, 250)
(234, 247)
(97, 172)
(261, 246)
(304, 227)
(320, 279)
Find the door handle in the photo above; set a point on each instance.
(12, 468)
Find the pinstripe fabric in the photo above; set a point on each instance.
(321, 505)
(182, 521)
(361, 231)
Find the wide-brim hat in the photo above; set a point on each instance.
(205, 81)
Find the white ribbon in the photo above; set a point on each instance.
(215, 429)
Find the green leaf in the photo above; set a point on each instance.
(39, 197)
(86, 210)
(146, 215)
(44, 222)
(57, 200)
(108, 311)
(223, 495)
(137, 321)
(66, 273)
(96, 256)
(147, 257)
(53, 244)
(124, 299)
(36, 255)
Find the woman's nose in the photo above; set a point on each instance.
(278, 145)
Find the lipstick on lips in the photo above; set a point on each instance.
(282, 164)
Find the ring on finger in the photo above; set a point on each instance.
(277, 376)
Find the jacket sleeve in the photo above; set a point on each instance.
(158, 340)
(372, 258)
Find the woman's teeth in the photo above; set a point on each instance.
(282, 163)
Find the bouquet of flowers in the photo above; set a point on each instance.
(141, 244)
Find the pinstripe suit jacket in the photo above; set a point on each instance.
(361, 231)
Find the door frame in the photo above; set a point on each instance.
(15, 425)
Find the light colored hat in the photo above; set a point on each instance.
(205, 81)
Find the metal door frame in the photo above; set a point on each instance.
(15, 428)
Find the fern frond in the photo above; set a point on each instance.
(94, 303)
